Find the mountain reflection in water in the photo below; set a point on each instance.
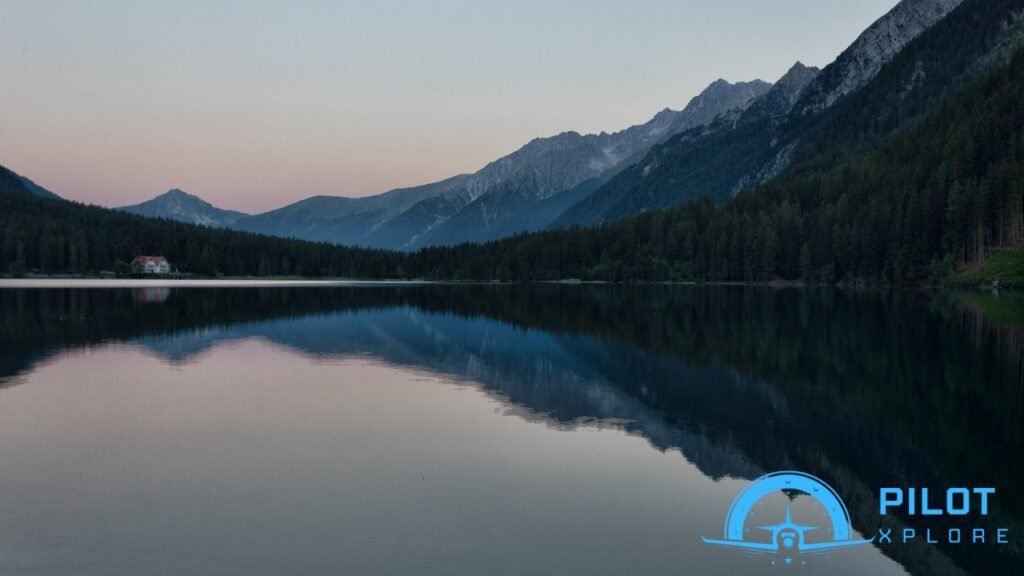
(863, 389)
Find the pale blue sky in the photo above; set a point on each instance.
(253, 105)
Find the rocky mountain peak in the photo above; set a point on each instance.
(779, 100)
(179, 198)
(797, 77)
(176, 204)
(720, 96)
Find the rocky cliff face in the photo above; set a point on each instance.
(783, 95)
(873, 49)
(558, 163)
(717, 99)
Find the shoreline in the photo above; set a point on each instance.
(72, 282)
(195, 283)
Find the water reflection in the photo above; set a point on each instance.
(867, 390)
(157, 295)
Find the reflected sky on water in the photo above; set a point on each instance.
(499, 430)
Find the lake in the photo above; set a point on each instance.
(550, 429)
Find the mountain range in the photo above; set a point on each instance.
(524, 191)
(730, 137)
(520, 192)
(744, 148)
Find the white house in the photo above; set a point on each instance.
(151, 265)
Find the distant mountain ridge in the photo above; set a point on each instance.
(179, 205)
(520, 192)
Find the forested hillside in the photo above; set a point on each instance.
(56, 236)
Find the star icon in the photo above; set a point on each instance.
(789, 560)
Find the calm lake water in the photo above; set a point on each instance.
(493, 429)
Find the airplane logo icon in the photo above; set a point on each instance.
(788, 536)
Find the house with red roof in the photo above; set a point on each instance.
(151, 265)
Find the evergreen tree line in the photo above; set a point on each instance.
(941, 195)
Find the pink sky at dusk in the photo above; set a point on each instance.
(254, 105)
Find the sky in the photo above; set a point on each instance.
(253, 104)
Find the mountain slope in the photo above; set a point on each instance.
(338, 219)
(504, 211)
(37, 190)
(184, 207)
(732, 153)
(974, 38)
(11, 183)
(15, 183)
(859, 63)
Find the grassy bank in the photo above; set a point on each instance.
(1006, 266)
